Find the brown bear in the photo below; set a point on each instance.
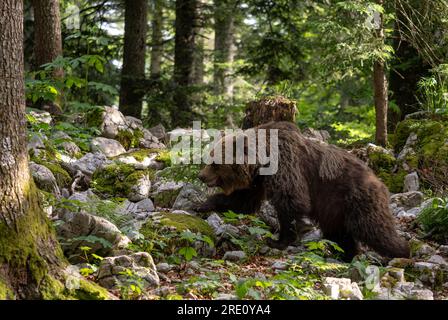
(315, 180)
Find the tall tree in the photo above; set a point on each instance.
(47, 32)
(409, 65)
(224, 52)
(184, 51)
(380, 88)
(157, 39)
(134, 56)
(199, 58)
(30, 256)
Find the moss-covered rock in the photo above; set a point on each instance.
(429, 154)
(119, 180)
(94, 117)
(90, 291)
(63, 178)
(180, 222)
(385, 166)
(142, 159)
(130, 138)
(166, 193)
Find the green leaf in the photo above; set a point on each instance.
(188, 253)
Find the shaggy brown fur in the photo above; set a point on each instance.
(315, 180)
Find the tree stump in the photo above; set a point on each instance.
(269, 109)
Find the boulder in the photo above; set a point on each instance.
(120, 180)
(407, 200)
(64, 141)
(235, 256)
(81, 229)
(165, 193)
(112, 122)
(149, 141)
(36, 143)
(159, 132)
(188, 198)
(124, 270)
(411, 182)
(344, 288)
(141, 159)
(88, 164)
(44, 178)
(109, 147)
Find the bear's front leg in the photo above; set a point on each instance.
(290, 216)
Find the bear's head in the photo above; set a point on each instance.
(229, 174)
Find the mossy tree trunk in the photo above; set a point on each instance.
(47, 32)
(134, 57)
(30, 257)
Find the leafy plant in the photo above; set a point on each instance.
(434, 91)
(434, 219)
(130, 285)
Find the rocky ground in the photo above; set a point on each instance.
(123, 215)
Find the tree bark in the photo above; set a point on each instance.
(47, 32)
(381, 102)
(134, 56)
(157, 40)
(224, 46)
(380, 87)
(408, 68)
(199, 59)
(186, 19)
(30, 256)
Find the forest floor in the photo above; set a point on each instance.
(124, 218)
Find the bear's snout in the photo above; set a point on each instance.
(207, 176)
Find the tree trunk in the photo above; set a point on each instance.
(381, 102)
(199, 67)
(265, 110)
(157, 40)
(408, 68)
(224, 46)
(186, 18)
(47, 32)
(30, 256)
(380, 87)
(134, 55)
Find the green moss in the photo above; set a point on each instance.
(90, 291)
(402, 132)
(5, 291)
(381, 161)
(116, 180)
(184, 222)
(393, 181)
(141, 154)
(180, 222)
(63, 178)
(130, 139)
(94, 117)
(431, 149)
(22, 249)
(165, 157)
